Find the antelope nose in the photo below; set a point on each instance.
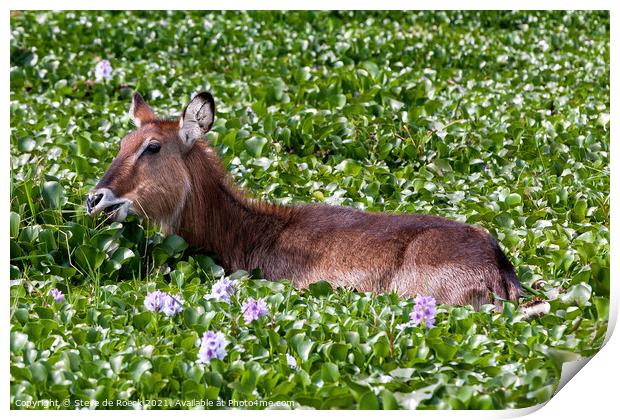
(92, 201)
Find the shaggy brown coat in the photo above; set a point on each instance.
(185, 187)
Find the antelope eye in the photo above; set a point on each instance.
(152, 148)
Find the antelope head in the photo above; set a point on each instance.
(150, 175)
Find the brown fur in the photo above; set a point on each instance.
(409, 253)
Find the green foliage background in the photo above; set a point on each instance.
(500, 119)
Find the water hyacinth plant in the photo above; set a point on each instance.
(222, 290)
(423, 311)
(154, 301)
(57, 295)
(172, 304)
(159, 301)
(212, 346)
(253, 309)
(290, 361)
(103, 70)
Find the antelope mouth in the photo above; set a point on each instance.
(105, 202)
(111, 209)
(115, 212)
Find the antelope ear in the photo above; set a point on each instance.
(197, 118)
(139, 111)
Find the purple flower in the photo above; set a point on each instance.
(57, 295)
(212, 346)
(103, 70)
(159, 301)
(154, 301)
(290, 360)
(253, 309)
(424, 311)
(222, 290)
(172, 304)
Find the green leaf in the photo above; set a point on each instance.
(349, 167)
(26, 144)
(192, 390)
(578, 294)
(512, 200)
(302, 346)
(178, 278)
(190, 316)
(18, 341)
(338, 352)
(541, 395)
(255, 145)
(142, 319)
(14, 224)
(368, 401)
(602, 307)
(411, 400)
(330, 372)
(89, 257)
(372, 69)
(174, 244)
(579, 210)
(138, 367)
(403, 373)
(381, 346)
(483, 402)
(22, 315)
(443, 351)
(44, 313)
(320, 288)
(560, 356)
(339, 101)
(122, 254)
(53, 194)
(388, 400)
(39, 372)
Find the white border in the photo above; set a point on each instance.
(591, 394)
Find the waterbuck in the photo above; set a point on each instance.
(164, 173)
